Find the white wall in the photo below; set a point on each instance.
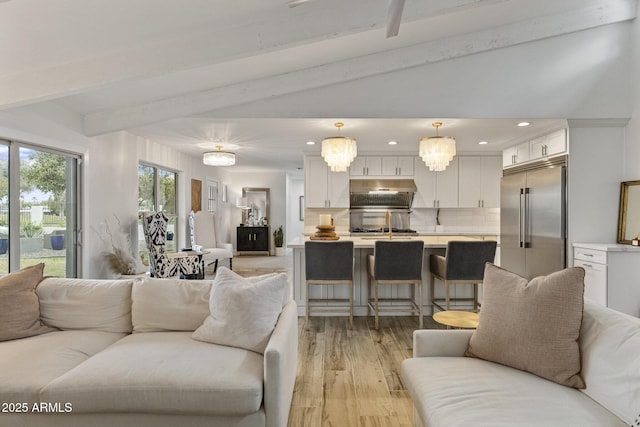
(632, 145)
(594, 174)
(295, 189)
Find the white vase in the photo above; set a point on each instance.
(279, 251)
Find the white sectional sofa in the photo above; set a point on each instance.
(451, 390)
(124, 356)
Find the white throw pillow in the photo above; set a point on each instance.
(243, 314)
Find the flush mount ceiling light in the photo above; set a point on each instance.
(339, 151)
(219, 158)
(437, 151)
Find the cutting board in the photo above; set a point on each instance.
(324, 238)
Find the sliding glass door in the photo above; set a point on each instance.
(38, 209)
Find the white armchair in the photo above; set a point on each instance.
(202, 227)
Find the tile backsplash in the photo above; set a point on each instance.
(457, 219)
(422, 219)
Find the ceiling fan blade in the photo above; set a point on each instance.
(294, 3)
(394, 16)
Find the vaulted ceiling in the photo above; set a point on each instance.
(180, 72)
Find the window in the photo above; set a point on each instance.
(212, 196)
(39, 218)
(157, 192)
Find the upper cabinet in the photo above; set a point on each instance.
(323, 188)
(479, 181)
(538, 148)
(549, 145)
(514, 155)
(366, 166)
(379, 166)
(436, 189)
(397, 166)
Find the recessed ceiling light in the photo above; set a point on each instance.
(483, 142)
(523, 124)
(393, 143)
(311, 143)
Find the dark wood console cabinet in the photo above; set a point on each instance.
(252, 240)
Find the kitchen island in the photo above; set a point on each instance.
(363, 246)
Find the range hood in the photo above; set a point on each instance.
(381, 193)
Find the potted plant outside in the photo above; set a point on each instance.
(4, 245)
(278, 240)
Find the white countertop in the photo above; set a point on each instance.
(608, 247)
(364, 242)
(418, 233)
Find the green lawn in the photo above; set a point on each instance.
(53, 266)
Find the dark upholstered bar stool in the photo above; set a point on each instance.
(396, 263)
(463, 263)
(329, 263)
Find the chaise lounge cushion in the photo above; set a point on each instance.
(29, 364)
(19, 304)
(86, 304)
(532, 325)
(163, 372)
(464, 391)
(242, 314)
(169, 304)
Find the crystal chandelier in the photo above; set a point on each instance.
(339, 151)
(219, 158)
(437, 151)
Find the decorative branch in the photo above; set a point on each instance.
(119, 254)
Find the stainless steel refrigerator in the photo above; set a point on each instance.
(533, 218)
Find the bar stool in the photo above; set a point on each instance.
(395, 263)
(463, 263)
(329, 263)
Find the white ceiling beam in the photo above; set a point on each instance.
(360, 67)
(321, 20)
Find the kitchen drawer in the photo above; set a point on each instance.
(595, 280)
(591, 255)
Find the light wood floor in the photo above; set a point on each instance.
(351, 378)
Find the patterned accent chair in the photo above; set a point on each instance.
(154, 225)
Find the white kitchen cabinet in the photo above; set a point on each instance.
(610, 274)
(436, 189)
(479, 181)
(538, 148)
(366, 166)
(549, 145)
(397, 166)
(514, 155)
(323, 188)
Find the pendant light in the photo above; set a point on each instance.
(339, 151)
(437, 151)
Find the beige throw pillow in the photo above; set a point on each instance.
(242, 314)
(532, 325)
(19, 304)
